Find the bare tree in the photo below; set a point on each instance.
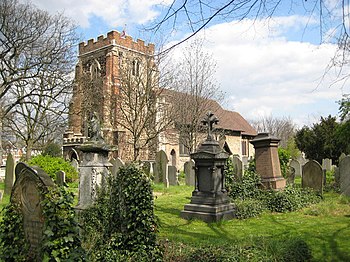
(195, 87)
(140, 109)
(283, 128)
(36, 55)
(199, 14)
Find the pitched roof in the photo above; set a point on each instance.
(229, 120)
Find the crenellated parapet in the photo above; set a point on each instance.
(115, 38)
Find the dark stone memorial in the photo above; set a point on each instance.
(209, 201)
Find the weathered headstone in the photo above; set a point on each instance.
(9, 174)
(337, 176)
(189, 173)
(342, 156)
(116, 164)
(172, 176)
(297, 167)
(312, 176)
(75, 164)
(161, 168)
(1, 194)
(61, 178)
(290, 175)
(301, 159)
(28, 191)
(327, 164)
(344, 176)
(238, 167)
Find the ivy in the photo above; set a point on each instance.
(60, 235)
(13, 246)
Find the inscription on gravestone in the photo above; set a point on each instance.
(30, 184)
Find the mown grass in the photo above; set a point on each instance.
(325, 226)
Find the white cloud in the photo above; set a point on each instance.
(114, 13)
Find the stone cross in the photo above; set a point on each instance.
(210, 119)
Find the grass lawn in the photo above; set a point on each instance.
(325, 227)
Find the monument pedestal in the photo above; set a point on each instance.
(209, 201)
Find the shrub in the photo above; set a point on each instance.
(60, 240)
(248, 208)
(284, 157)
(13, 246)
(121, 225)
(51, 165)
(247, 188)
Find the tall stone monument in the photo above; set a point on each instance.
(209, 201)
(9, 174)
(94, 167)
(267, 161)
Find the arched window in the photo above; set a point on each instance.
(135, 68)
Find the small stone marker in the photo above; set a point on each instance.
(27, 193)
(297, 167)
(161, 167)
(189, 173)
(344, 176)
(312, 176)
(327, 164)
(9, 174)
(342, 156)
(116, 165)
(172, 176)
(238, 167)
(61, 178)
(290, 176)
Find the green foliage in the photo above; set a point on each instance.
(121, 225)
(292, 148)
(290, 199)
(247, 188)
(344, 107)
(284, 157)
(229, 173)
(320, 141)
(248, 208)
(13, 246)
(51, 165)
(53, 150)
(60, 235)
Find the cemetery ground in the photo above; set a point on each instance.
(324, 226)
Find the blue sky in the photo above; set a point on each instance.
(264, 67)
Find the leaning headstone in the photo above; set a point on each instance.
(238, 167)
(327, 164)
(297, 167)
(344, 176)
(116, 165)
(189, 173)
(172, 176)
(161, 167)
(61, 178)
(312, 176)
(290, 175)
(9, 174)
(28, 191)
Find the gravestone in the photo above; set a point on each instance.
(209, 201)
(327, 164)
(238, 167)
(161, 168)
(9, 174)
(61, 178)
(342, 156)
(312, 176)
(337, 176)
(28, 191)
(267, 161)
(290, 175)
(189, 173)
(75, 164)
(301, 159)
(344, 176)
(1, 194)
(245, 162)
(116, 165)
(297, 167)
(172, 175)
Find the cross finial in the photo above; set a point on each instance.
(210, 119)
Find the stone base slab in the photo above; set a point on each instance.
(208, 213)
(274, 182)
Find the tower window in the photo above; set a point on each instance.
(135, 68)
